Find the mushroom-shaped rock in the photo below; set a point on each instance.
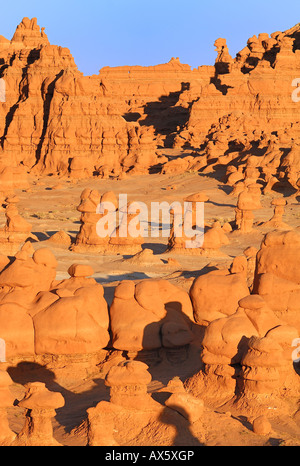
(268, 373)
(40, 405)
(128, 383)
(248, 200)
(276, 221)
(226, 343)
(128, 373)
(128, 236)
(88, 238)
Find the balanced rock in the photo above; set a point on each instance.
(40, 405)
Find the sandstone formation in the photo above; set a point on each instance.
(12, 178)
(192, 237)
(246, 348)
(127, 237)
(16, 230)
(20, 283)
(248, 200)
(220, 336)
(277, 276)
(150, 315)
(106, 228)
(40, 405)
(183, 402)
(47, 316)
(244, 113)
(88, 239)
(52, 91)
(267, 371)
(130, 402)
(74, 319)
(128, 385)
(113, 123)
(6, 399)
(250, 254)
(207, 294)
(247, 359)
(276, 222)
(261, 425)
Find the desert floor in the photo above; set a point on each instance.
(50, 206)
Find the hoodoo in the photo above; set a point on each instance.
(149, 238)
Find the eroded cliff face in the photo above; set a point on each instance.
(55, 120)
(249, 107)
(256, 84)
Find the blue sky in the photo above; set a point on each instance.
(148, 32)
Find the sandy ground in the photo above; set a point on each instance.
(51, 207)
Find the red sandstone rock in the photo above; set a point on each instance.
(266, 63)
(101, 425)
(40, 405)
(184, 403)
(207, 294)
(16, 230)
(276, 222)
(261, 426)
(99, 141)
(128, 385)
(61, 238)
(12, 178)
(88, 238)
(57, 121)
(228, 345)
(6, 400)
(130, 402)
(24, 279)
(248, 201)
(145, 258)
(149, 315)
(277, 274)
(127, 237)
(77, 321)
(48, 317)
